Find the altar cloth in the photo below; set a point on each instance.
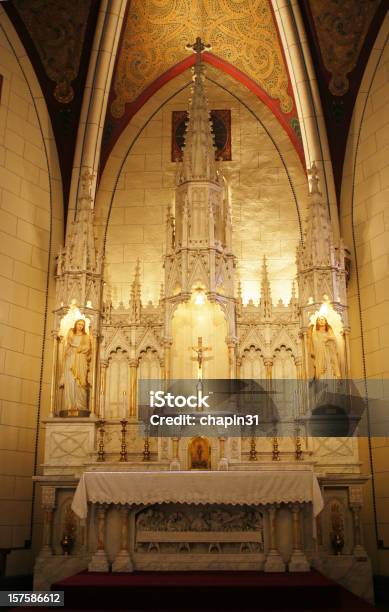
(192, 487)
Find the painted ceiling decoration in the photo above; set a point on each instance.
(58, 34)
(341, 28)
(244, 43)
(341, 34)
(242, 32)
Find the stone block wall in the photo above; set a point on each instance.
(365, 226)
(28, 239)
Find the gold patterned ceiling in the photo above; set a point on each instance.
(241, 32)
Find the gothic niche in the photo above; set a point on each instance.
(252, 366)
(284, 383)
(199, 454)
(337, 527)
(149, 365)
(117, 389)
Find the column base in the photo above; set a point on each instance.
(122, 562)
(223, 465)
(274, 562)
(175, 465)
(298, 562)
(45, 552)
(99, 562)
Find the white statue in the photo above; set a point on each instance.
(77, 354)
(323, 350)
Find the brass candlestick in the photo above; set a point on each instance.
(123, 450)
(276, 452)
(146, 446)
(101, 453)
(253, 450)
(299, 451)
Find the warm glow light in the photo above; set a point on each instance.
(334, 319)
(89, 304)
(324, 310)
(199, 297)
(73, 315)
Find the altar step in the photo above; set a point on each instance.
(206, 591)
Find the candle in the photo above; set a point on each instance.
(124, 404)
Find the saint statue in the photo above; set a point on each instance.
(323, 350)
(77, 354)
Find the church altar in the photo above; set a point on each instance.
(214, 487)
(244, 502)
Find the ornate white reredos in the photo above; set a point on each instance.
(199, 257)
(96, 375)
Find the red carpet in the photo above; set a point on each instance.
(206, 591)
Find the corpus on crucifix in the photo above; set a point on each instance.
(200, 350)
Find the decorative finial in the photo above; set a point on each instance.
(198, 47)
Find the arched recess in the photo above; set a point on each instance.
(286, 120)
(31, 212)
(268, 186)
(252, 364)
(365, 226)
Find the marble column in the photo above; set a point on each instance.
(99, 561)
(93, 402)
(298, 561)
(133, 386)
(223, 462)
(166, 359)
(48, 505)
(122, 562)
(231, 343)
(54, 382)
(274, 561)
(103, 384)
(358, 550)
(175, 463)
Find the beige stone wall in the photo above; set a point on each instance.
(139, 179)
(26, 233)
(365, 226)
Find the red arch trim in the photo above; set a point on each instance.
(133, 107)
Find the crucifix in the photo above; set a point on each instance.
(200, 350)
(198, 47)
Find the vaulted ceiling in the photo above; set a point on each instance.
(58, 36)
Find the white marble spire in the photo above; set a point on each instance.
(199, 149)
(317, 248)
(135, 300)
(265, 303)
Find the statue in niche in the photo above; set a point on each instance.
(323, 350)
(199, 454)
(77, 354)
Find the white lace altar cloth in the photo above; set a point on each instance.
(214, 487)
